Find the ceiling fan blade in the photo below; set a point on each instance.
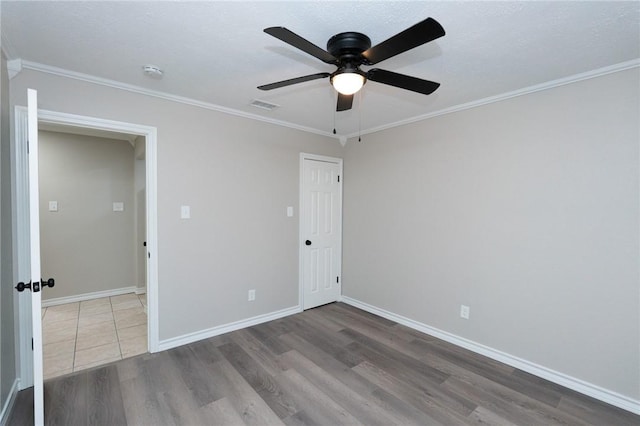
(344, 102)
(291, 81)
(402, 81)
(421, 33)
(296, 41)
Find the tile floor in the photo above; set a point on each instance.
(84, 334)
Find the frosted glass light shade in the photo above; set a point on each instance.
(347, 83)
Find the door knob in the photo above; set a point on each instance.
(22, 286)
(307, 242)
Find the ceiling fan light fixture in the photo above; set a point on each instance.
(347, 83)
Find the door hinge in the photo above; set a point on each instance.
(338, 178)
(31, 343)
(337, 279)
(27, 147)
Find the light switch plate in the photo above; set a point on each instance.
(289, 211)
(53, 206)
(118, 206)
(185, 212)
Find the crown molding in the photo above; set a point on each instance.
(14, 67)
(634, 63)
(47, 69)
(340, 138)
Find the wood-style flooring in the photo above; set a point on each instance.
(331, 365)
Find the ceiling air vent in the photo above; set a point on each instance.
(264, 105)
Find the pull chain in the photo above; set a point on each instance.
(360, 116)
(334, 114)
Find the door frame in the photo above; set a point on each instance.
(306, 156)
(20, 197)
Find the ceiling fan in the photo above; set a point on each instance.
(349, 50)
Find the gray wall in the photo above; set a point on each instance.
(7, 293)
(85, 245)
(526, 210)
(238, 176)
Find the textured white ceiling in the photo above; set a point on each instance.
(216, 52)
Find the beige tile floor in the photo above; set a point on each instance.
(85, 334)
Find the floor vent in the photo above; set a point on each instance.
(264, 105)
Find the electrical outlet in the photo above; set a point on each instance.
(252, 295)
(464, 311)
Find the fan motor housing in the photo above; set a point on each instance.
(348, 46)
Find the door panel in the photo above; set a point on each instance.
(34, 258)
(321, 219)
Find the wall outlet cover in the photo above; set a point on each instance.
(464, 311)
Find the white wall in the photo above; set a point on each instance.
(238, 176)
(526, 210)
(85, 245)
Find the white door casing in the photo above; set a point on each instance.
(320, 229)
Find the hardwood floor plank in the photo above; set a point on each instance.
(332, 343)
(269, 338)
(406, 413)
(22, 413)
(374, 329)
(360, 315)
(485, 417)
(262, 382)
(65, 400)
(141, 404)
(594, 412)
(367, 346)
(327, 322)
(259, 351)
(509, 404)
(359, 405)
(144, 395)
(328, 363)
(410, 394)
(487, 369)
(315, 404)
(300, 419)
(206, 351)
(179, 409)
(414, 377)
(221, 413)
(195, 375)
(253, 410)
(104, 398)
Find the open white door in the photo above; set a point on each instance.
(34, 238)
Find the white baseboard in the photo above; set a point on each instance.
(562, 379)
(87, 296)
(8, 405)
(226, 328)
(141, 290)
